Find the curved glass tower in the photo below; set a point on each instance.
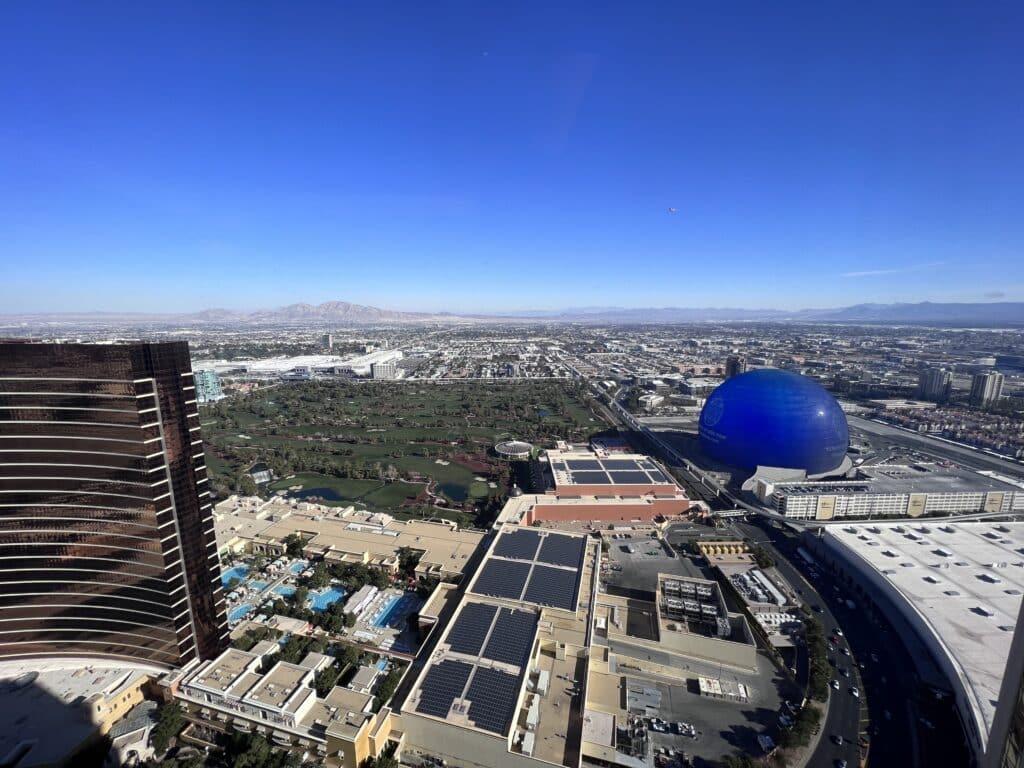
(106, 527)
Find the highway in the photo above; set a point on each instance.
(845, 716)
(906, 724)
(940, 449)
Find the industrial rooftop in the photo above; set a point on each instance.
(588, 468)
(906, 478)
(965, 580)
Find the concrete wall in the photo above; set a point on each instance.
(460, 747)
(624, 512)
(697, 647)
(647, 489)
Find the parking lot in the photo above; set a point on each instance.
(722, 727)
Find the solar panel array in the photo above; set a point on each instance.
(470, 630)
(520, 544)
(519, 568)
(562, 550)
(553, 586)
(492, 695)
(512, 638)
(442, 685)
(609, 471)
(502, 578)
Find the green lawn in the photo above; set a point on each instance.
(337, 490)
(396, 428)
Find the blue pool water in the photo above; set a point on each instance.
(324, 600)
(398, 608)
(296, 567)
(285, 591)
(260, 585)
(238, 572)
(239, 612)
(382, 664)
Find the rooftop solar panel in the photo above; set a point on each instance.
(620, 463)
(520, 544)
(492, 696)
(512, 638)
(470, 630)
(582, 464)
(657, 477)
(645, 464)
(554, 587)
(590, 478)
(502, 578)
(562, 550)
(630, 478)
(442, 684)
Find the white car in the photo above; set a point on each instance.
(839, 632)
(855, 692)
(835, 684)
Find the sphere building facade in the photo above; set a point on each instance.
(774, 418)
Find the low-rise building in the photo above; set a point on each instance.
(893, 491)
(54, 709)
(344, 535)
(237, 691)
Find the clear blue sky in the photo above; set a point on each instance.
(431, 155)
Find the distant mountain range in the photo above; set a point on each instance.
(999, 314)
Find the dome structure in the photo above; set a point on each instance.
(514, 450)
(774, 418)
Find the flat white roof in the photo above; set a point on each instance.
(964, 579)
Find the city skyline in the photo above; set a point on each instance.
(431, 160)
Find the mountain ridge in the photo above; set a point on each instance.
(347, 313)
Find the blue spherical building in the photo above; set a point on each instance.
(774, 418)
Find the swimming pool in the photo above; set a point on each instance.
(260, 585)
(239, 612)
(238, 572)
(285, 591)
(296, 567)
(382, 664)
(397, 610)
(324, 600)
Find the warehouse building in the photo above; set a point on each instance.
(893, 491)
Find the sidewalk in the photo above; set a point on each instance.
(803, 755)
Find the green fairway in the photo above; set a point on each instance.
(334, 490)
(349, 442)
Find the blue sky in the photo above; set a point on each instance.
(473, 156)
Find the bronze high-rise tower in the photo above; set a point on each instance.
(106, 528)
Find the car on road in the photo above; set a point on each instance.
(839, 632)
(874, 657)
(837, 739)
(835, 684)
(844, 651)
(844, 672)
(817, 608)
(855, 692)
(840, 763)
